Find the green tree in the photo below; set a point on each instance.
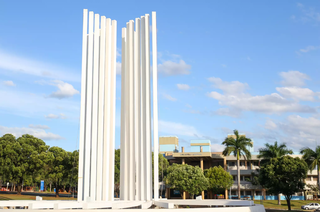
(162, 167)
(284, 175)
(186, 178)
(21, 158)
(219, 179)
(58, 162)
(273, 151)
(237, 146)
(312, 158)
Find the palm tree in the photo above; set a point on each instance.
(237, 146)
(274, 151)
(312, 158)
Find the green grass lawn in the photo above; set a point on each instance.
(28, 197)
(273, 204)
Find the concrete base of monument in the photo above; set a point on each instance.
(119, 205)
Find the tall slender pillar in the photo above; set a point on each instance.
(155, 106)
(88, 123)
(101, 109)
(83, 104)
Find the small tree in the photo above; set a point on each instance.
(254, 180)
(314, 189)
(284, 175)
(186, 178)
(219, 179)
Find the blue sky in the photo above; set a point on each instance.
(223, 65)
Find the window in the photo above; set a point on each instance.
(315, 178)
(242, 193)
(232, 164)
(233, 193)
(234, 178)
(241, 163)
(308, 179)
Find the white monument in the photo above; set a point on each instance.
(136, 141)
(98, 103)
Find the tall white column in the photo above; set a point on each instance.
(88, 110)
(131, 112)
(123, 144)
(148, 110)
(83, 105)
(95, 95)
(143, 110)
(137, 108)
(101, 108)
(112, 108)
(106, 160)
(155, 106)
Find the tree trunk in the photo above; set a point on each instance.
(238, 164)
(279, 199)
(57, 188)
(288, 203)
(19, 187)
(50, 187)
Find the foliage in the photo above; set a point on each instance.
(21, 158)
(273, 151)
(59, 166)
(186, 178)
(219, 179)
(284, 175)
(162, 167)
(238, 147)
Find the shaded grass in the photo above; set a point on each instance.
(28, 197)
(273, 204)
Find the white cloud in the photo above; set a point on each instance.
(273, 103)
(170, 68)
(270, 125)
(304, 94)
(293, 78)
(229, 87)
(118, 68)
(8, 83)
(309, 48)
(309, 13)
(65, 90)
(189, 106)
(300, 132)
(223, 65)
(20, 64)
(235, 97)
(38, 133)
(33, 105)
(54, 116)
(168, 97)
(217, 147)
(38, 126)
(248, 58)
(173, 128)
(51, 116)
(184, 87)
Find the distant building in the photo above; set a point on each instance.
(168, 145)
(200, 154)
